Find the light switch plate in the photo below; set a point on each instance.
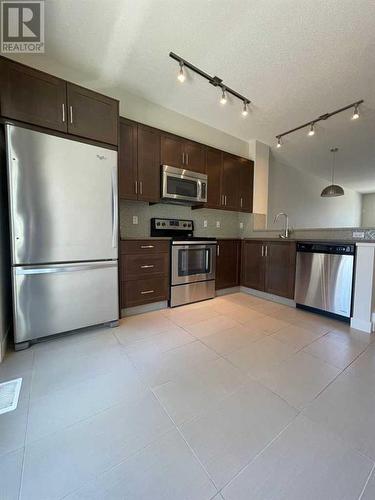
(204, 223)
(359, 235)
(135, 219)
(218, 224)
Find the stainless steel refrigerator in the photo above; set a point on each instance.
(63, 228)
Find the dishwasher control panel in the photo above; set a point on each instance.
(328, 248)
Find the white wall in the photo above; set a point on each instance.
(298, 194)
(368, 210)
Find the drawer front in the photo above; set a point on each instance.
(136, 293)
(143, 266)
(140, 247)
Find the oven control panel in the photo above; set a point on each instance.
(174, 224)
(171, 227)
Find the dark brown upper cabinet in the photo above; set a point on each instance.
(280, 268)
(148, 164)
(92, 115)
(139, 162)
(194, 156)
(182, 153)
(230, 182)
(31, 96)
(246, 185)
(214, 165)
(127, 160)
(252, 264)
(227, 263)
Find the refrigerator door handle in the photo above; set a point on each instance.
(114, 208)
(63, 268)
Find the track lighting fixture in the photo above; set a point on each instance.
(181, 74)
(213, 80)
(245, 111)
(355, 112)
(223, 99)
(311, 124)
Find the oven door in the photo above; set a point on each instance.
(193, 262)
(183, 185)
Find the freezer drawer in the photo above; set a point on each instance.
(325, 281)
(62, 199)
(52, 299)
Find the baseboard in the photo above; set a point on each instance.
(268, 296)
(227, 291)
(363, 326)
(154, 306)
(4, 344)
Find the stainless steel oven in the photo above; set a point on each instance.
(183, 186)
(193, 265)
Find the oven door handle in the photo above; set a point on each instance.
(208, 250)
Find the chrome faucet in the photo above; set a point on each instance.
(287, 231)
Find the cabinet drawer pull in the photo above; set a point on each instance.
(63, 112)
(147, 246)
(147, 266)
(71, 113)
(147, 291)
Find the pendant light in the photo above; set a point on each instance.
(333, 190)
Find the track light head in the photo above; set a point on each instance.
(279, 143)
(355, 112)
(181, 74)
(223, 99)
(245, 110)
(312, 130)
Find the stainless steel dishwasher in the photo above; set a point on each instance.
(324, 277)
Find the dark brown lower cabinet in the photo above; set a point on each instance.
(252, 264)
(269, 266)
(280, 268)
(144, 276)
(227, 263)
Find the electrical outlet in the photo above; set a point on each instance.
(218, 224)
(241, 225)
(359, 235)
(204, 223)
(135, 219)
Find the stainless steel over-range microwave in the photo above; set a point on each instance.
(183, 186)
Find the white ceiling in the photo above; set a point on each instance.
(295, 60)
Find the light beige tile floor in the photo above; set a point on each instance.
(232, 398)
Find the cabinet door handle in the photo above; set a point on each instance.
(218, 250)
(187, 158)
(140, 187)
(147, 246)
(149, 266)
(225, 200)
(183, 158)
(136, 187)
(63, 112)
(266, 251)
(147, 291)
(71, 113)
(262, 250)
(241, 202)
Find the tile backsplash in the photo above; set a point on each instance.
(229, 221)
(232, 224)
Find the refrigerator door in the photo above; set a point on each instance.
(51, 299)
(63, 199)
